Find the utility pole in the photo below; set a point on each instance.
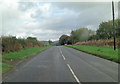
(113, 25)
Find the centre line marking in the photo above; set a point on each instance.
(62, 54)
(60, 51)
(73, 74)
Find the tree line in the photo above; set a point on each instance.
(11, 43)
(105, 31)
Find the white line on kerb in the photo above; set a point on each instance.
(73, 74)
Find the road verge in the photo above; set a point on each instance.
(9, 60)
(103, 52)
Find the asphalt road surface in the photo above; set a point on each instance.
(62, 64)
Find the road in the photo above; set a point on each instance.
(62, 64)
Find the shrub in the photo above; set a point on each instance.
(17, 47)
(11, 43)
(29, 45)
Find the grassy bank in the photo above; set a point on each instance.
(104, 52)
(20, 55)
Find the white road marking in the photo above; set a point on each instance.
(60, 51)
(73, 74)
(62, 54)
(70, 68)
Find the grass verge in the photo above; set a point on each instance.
(20, 55)
(104, 52)
(6, 67)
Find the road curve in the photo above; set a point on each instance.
(63, 64)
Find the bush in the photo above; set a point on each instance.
(29, 45)
(17, 47)
(11, 44)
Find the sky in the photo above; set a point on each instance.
(50, 20)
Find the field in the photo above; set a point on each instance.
(20, 55)
(104, 52)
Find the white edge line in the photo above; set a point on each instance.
(73, 74)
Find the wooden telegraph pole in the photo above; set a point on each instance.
(113, 24)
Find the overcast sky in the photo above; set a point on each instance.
(50, 20)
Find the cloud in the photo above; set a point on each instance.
(50, 20)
